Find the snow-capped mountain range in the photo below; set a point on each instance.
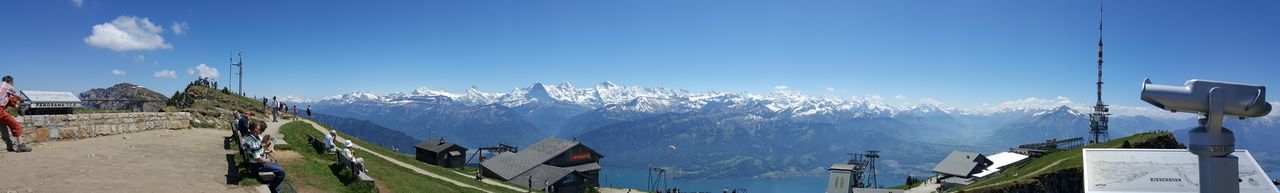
(737, 132)
(615, 97)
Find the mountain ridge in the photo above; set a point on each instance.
(797, 134)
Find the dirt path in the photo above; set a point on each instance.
(1030, 174)
(401, 164)
(491, 181)
(191, 160)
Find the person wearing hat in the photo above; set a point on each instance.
(10, 98)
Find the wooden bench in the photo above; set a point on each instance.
(350, 163)
(319, 146)
(245, 154)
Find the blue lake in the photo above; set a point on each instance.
(635, 178)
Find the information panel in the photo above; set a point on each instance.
(1160, 170)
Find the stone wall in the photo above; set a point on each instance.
(40, 128)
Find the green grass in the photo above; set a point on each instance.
(393, 177)
(316, 170)
(447, 172)
(907, 186)
(1073, 158)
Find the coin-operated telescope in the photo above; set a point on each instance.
(1213, 144)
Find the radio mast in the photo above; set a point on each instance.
(1098, 119)
(240, 74)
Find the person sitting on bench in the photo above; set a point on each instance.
(260, 158)
(357, 164)
(328, 141)
(243, 123)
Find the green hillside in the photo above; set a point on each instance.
(212, 107)
(1064, 164)
(318, 171)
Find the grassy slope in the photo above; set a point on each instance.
(1069, 159)
(315, 170)
(211, 107)
(907, 186)
(394, 177)
(428, 167)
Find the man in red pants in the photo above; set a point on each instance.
(10, 97)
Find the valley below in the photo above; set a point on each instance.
(738, 138)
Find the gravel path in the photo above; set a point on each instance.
(191, 160)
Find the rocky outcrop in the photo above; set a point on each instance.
(129, 97)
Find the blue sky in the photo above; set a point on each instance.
(963, 53)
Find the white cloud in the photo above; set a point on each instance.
(117, 72)
(874, 98)
(1035, 103)
(780, 87)
(140, 58)
(1045, 103)
(127, 33)
(829, 89)
(191, 71)
(77, 3)
(207, 72)
(179, 28)
(1275, 108)
(930, 101)
(900, 97)
(166, 74)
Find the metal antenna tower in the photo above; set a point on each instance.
(863, 174)
(658, 182)
(871, 168)
(1098, 119)
(240, 74)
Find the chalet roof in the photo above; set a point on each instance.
(510, 165)
(437, 146)
(960, 163)
(541, 174)
(842, 167)
(958, 180)
(593, 166)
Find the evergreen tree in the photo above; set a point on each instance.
(1126, 145)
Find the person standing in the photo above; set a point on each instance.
(295, 112)
(308, 111)
(275, 109)
(10, 97)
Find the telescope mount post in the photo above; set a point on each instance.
(1213, 144)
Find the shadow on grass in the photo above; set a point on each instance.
(344, 175)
